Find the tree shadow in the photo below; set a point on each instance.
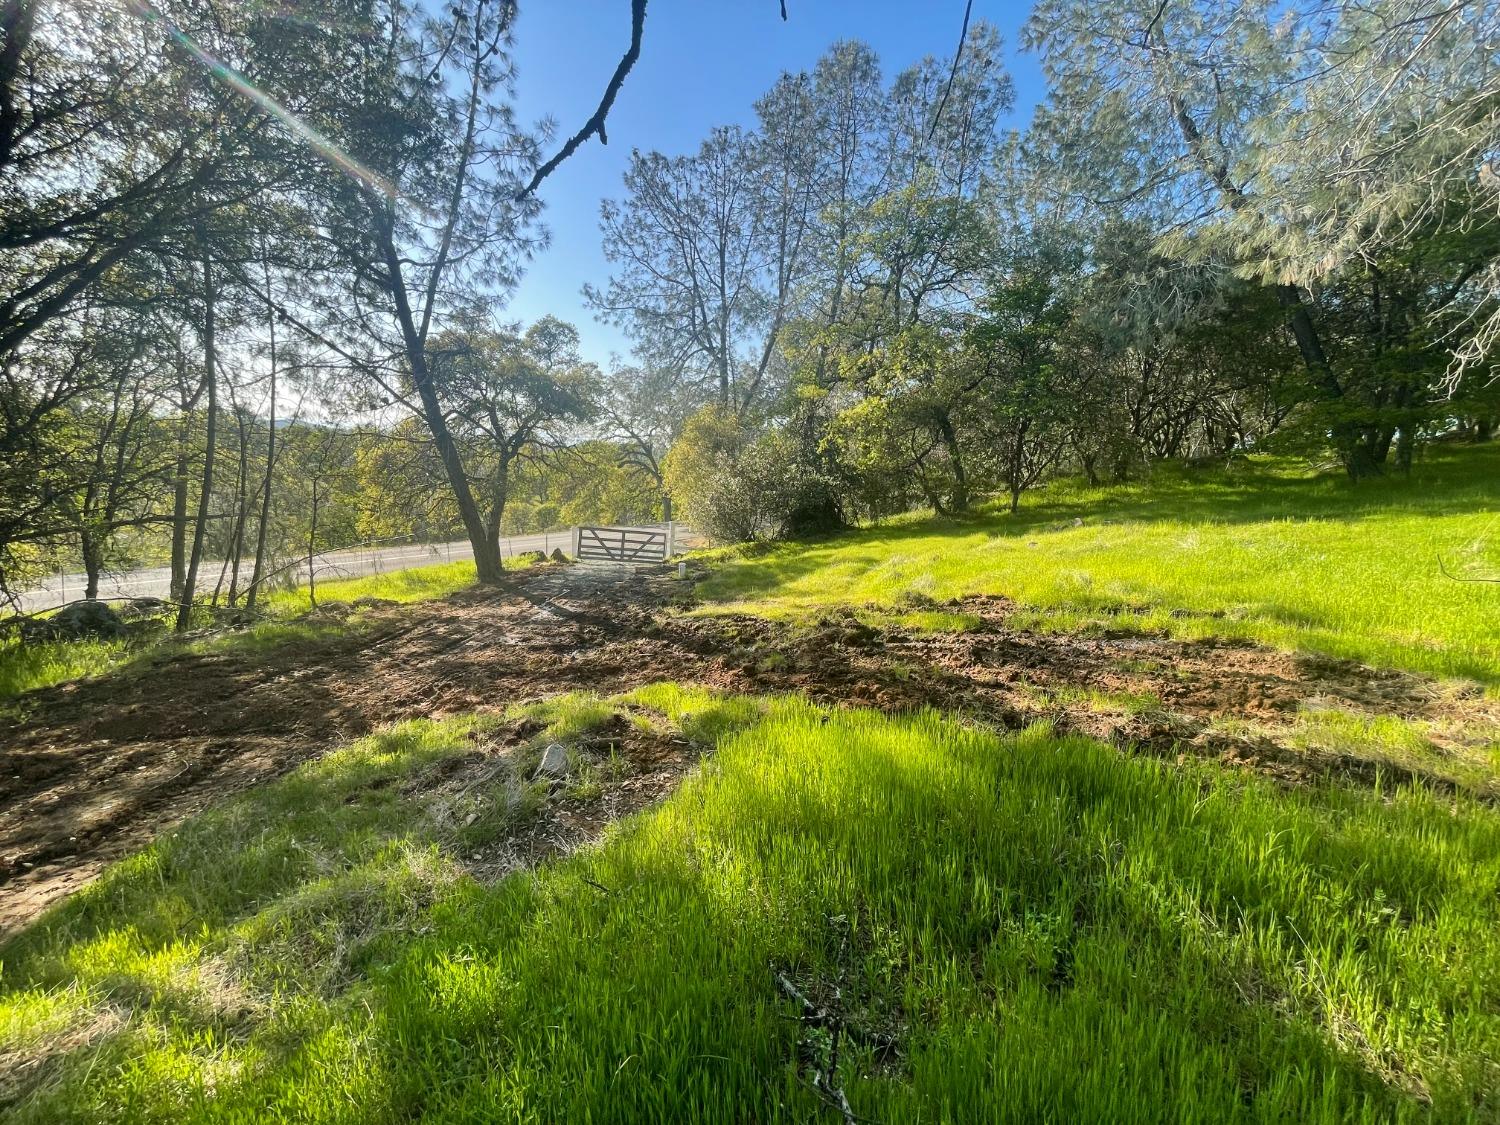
(974, 894)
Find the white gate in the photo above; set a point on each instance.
(624, 544)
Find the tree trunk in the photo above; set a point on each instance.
(312, 545)
(265, 492)
(241, 508)
(486, 554)
(1349, 440)
(205, 497)
(960, 498)
(486, 551)
(93, 562)
(1379, 442)
(1405, 446)
(180, 507)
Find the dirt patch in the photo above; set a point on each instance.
(97, 769)
(1240, 704)
(613, 771)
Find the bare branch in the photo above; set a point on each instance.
(963, 37)
(595, 124)
(1461, 577)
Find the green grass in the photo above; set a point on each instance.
(1267, 553)
(1463, 750)
(1091, 699)
(27, 667)
(415, 584)
(1019, 928)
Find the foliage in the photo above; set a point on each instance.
(734, 486)
(1186, 255)
(1320, 157)
(710, 443)
(515, 398)
(400, 486)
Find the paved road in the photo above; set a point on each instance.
(155, 582)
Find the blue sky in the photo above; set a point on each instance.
(703, 63)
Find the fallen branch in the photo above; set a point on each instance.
(824, 1080)
(809, 1010)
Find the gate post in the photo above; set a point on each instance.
(574, 542)
(671, 538)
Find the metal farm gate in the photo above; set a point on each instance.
(625, 544)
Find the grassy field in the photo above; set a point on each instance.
(1267, 552)
(991, 926)
(415, 584)
(1008, 928)
(26, 667)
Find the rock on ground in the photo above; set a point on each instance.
(76, 620)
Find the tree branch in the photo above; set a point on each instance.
(595, 124)
(963, 36)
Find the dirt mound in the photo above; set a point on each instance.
(1244, 705)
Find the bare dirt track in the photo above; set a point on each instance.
(95, 770)
(1236, 703)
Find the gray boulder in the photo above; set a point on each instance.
(89, 619)
(76, 621)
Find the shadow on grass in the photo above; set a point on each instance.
(1036, 928)
(1452, 480)
(1466, 481)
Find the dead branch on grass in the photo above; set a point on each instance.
(824, 1078)
(1462, 577)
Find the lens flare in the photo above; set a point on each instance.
(287, 13)
(237, 82)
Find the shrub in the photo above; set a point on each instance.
(733, 487)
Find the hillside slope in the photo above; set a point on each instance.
(1116, 877)
(1267, 552)
(938, 923)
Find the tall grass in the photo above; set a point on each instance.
(24, 667)
(1018, 928)
(1268, 552)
